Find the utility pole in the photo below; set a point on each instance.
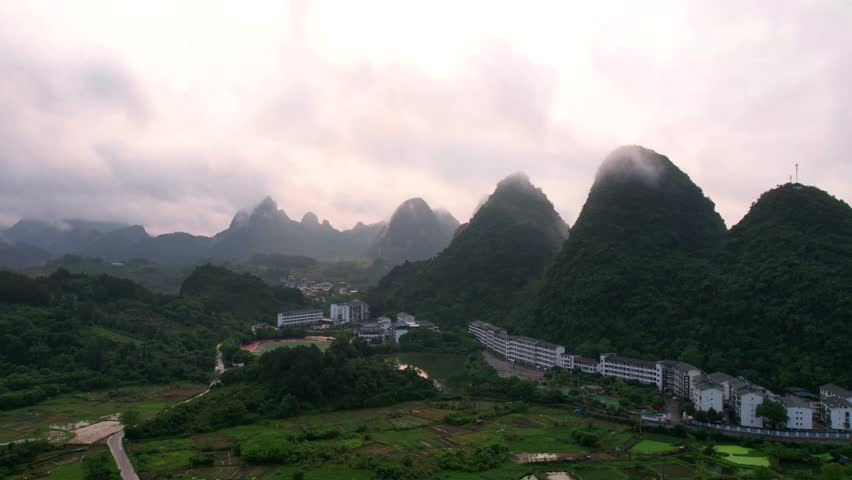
(797, 173)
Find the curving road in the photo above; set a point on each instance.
(116, 447)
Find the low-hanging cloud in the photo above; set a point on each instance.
(329, 110)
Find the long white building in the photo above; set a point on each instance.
(299, 318)
(523, 350)
(643, 371)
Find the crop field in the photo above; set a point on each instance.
(417, 430)
(646, 447)
(742, 456)
(67, 412)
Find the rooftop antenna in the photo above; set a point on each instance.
(797, 173)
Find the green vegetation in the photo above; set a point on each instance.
(61, 413)
(485, 270)
(774, 413)
(70, 332)
(287, 381)
(653, 252)
(646, 447)
(100, 466)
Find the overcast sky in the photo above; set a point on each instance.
(176, 114)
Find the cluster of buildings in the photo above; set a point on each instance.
(317, 290)
(707, 392)
(387, 330)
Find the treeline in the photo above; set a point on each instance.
(289, 381)
(68, 332)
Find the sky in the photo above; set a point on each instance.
(174, 115)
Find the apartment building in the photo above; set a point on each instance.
(355, 311)
(746, 399)
(587, 365)
(643, 371)
(836, 406)
(523, 350)
(705, 394)
(677, 377)
(800, 413)
(299, 318)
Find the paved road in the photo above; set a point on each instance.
(116, 447)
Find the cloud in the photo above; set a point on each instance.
(121, 111)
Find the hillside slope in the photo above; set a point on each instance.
(489, 263)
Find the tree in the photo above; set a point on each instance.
(773, 412)
(131, 418)
(100, 467)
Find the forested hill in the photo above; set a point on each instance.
(488, 265)
(71, 332)
(633, 267)
(649, 271)
(786, 290)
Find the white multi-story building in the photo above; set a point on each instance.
(705, 394)
(371, 332)
(587, 365)
(800, 414)
(299, 318)
(677, 377)
(355, 311)
(399, 329)
(729, 385)
(746, 399)
(836, 406)
(523, 350)
(643, 371)
(831, 390)
(837, 413)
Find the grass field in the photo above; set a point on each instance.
(61, 412)
(267, 346)
(742, 456)
(733, 450)
(72, 471)
(650, 447)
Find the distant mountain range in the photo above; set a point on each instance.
(414, 232)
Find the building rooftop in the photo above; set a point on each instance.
(703, 382)
(585, 361)
(720, 377)
(834, 402)
(631, 361)
(791, 401)
(297, 312)
(835, 390)
(682, 366)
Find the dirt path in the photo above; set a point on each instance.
(217, 371)
(116, 447)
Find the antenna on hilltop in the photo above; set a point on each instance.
(797, 173)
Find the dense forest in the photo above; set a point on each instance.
(650, 271)
(70, 332)
(507, 244)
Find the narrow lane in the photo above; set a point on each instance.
(116, 447)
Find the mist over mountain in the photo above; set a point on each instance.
(487, 266)
(638, 245)
(264, 229)
(414, 232)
